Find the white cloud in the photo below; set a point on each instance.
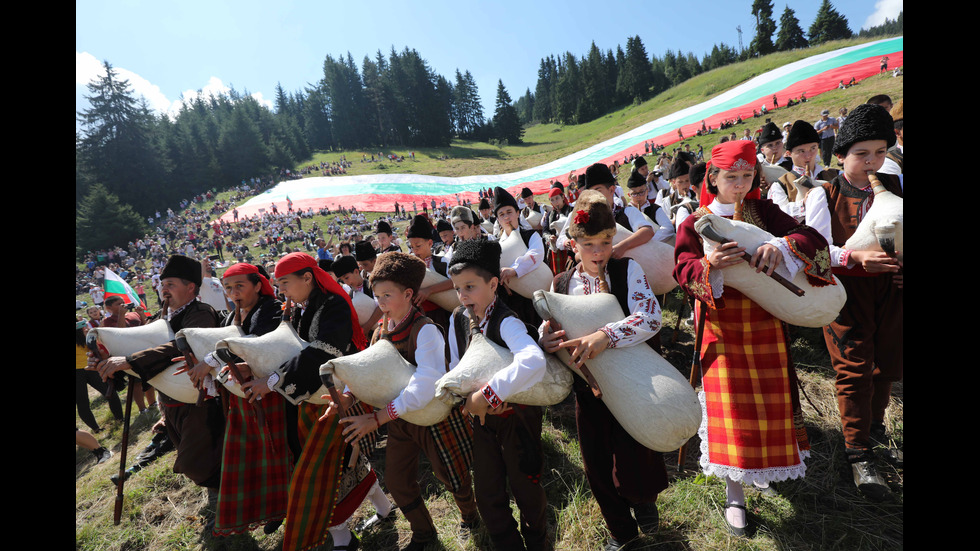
(884, 9)
(87, 68)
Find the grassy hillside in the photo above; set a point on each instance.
(544, 143)
(164, 511)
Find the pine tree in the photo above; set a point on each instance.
(790, 35)
(506, 123)
(764, 29)
(828, 25)
(118, 147)
(102, 221)
(636, 75)
(544, 91)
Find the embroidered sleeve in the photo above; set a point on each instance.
(644, 319)
(692, 270)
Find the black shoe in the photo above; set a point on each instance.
(471, 524)
(102, 455)
(378, 521)
(737, 531)
(868, 481)
(612, 544)
(115, 478)
(647, 517)
(271, 527)
(885, 447)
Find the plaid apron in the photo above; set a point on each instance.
(255, 466)
(322, 491)
(747, 430)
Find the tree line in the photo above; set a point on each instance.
(576, 89)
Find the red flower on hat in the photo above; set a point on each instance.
(581, 217)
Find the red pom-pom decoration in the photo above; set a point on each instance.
(581, 217)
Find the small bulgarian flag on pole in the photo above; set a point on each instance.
(115, 286)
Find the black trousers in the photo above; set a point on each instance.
(621, 471)
(83, 379)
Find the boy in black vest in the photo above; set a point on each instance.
(622, 473)
(507, 438)
(448, 444)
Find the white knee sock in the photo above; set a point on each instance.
(340, 534)
(735, 496)
(379, 500)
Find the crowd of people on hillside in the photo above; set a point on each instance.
(805, 183)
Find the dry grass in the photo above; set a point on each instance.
(821, 511)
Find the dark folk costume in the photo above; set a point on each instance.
(507, 447)
(558, 259)
(195, 431)
(622, 473)
(323, 491)
(257, 461)
(447, 445)
(865, 340)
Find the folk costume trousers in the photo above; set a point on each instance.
(198, 435)
(507, 451)
(865, 345)
(621, 471)
(405, 442)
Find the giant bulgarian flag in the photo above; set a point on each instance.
(115, 286)
(378, 193)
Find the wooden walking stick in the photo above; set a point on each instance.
(117, 513)
(695, 371)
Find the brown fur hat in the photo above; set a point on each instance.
(592, 217)
(401, 268)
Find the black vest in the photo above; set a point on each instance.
(618, 286)
(500, 311)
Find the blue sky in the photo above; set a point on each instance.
(170, 49)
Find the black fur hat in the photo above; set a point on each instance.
(364, 251)
(678, 168)
(638, 162)
(770, 133)
(866, 122)
(801, 133)
(484, 203)
(344, 265)
(420, 228)
(526, 192)
(635, 180)
(502, 198)
(597, 174)
(183, 267)
(481, 253)
(384, 227)
(442, 225)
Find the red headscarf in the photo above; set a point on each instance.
(294, 262)
(731, 155)
(243, 268)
